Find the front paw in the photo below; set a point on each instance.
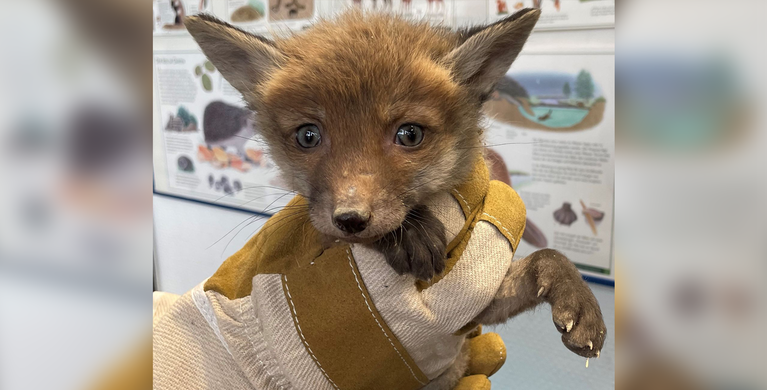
(417, 247)
(577, 316)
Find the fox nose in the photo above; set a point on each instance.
(351, 221)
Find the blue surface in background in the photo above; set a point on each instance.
(560, 116)
(537, 359)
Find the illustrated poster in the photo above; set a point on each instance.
(263, 16)
(169, 14)
(210, 145)
(551, 121)
(434, 11)
(560, 14)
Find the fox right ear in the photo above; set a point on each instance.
(242, 58)
(487, 52)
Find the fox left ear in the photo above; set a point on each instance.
(242, 58)
(487, 52)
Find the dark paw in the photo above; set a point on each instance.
(577, 316)
(417, 247)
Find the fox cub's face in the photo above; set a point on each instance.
(367, 115)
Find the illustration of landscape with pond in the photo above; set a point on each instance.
(554, 101)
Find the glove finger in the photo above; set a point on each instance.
(487, 353)
(473, 382)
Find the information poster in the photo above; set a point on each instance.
(210, 145)
(551, 122)
(435, 11)
(265, 15)
(169, 14)
(560, 14)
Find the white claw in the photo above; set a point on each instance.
(597, 354)
(591, 345)
(569, 326)
(587, 362)
(540, 291)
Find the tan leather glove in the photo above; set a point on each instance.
(487, 353)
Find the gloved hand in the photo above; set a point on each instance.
(487, 353)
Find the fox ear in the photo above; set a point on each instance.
(487, 52)
(242, 58)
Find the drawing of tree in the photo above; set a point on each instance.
(584, 85)
(186, 116)
(566, 90)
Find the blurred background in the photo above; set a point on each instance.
(76, 233)
(690, 195)
(75, 199)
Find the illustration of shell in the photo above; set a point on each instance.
(592, 217)
(565, 214)
(594, 213)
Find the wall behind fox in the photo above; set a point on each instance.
(193, 239)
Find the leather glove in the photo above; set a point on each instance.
(487, 353)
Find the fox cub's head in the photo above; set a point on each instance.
(367, 115)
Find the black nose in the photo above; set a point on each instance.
(351, 221)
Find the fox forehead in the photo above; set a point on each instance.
(377, 66)
(421, 89)
(355, 36)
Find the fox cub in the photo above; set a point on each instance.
(370, 115)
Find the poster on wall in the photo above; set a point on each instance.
(434, 11)
(169, 14)
(560, 14)
(209, 144)
(264, 15)
(551, 124)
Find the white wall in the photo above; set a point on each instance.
(184, 232)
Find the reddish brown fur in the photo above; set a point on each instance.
(359, 78)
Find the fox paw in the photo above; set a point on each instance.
(417, 247)
(577, 316)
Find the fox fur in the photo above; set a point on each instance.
(358, 78)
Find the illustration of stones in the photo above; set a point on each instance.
(185, 164)
(228, 189)
(202, 71)
(565, 214)
(207, 84)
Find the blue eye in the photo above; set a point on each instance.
(308, 136)
(409, 134)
